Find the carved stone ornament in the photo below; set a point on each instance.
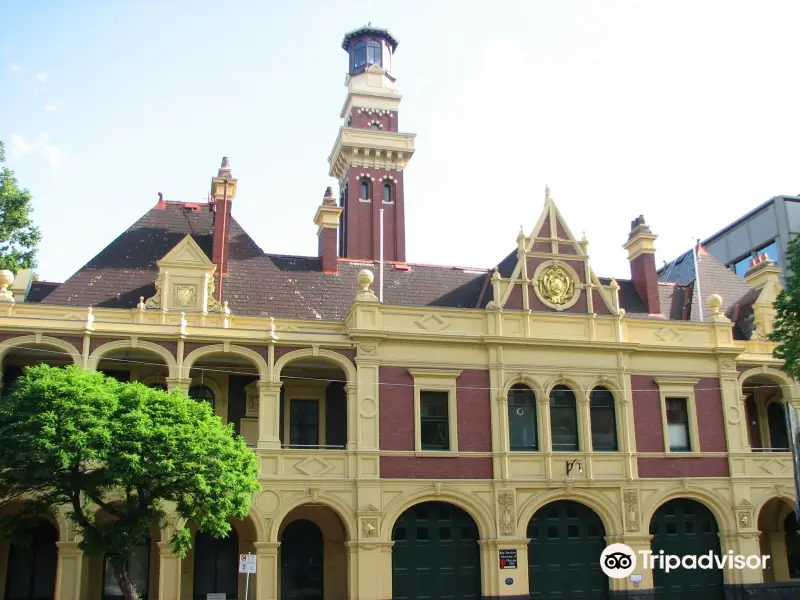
(212, 304)
(744, 520)
(555, 285)
(155, 301)
(505, 500)
(369, 527)
(631, 502)
(184, 295)
(368, 349)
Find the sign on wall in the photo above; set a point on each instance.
(508, 559)
(247, 563)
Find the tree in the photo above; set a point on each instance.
(18, 235)
(78, 439)
(786, 329)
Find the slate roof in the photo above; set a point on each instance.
(257, 283)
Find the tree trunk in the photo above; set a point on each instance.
(125, 584)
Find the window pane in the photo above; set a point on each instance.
(434, 426)
(678, 425)
(374, 52)
(359, 54)
(387, 192)
(522, 419)
(563, 419)
(364, 190)
(604, 425)
(304, 423)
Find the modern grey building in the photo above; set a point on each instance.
(765, 229)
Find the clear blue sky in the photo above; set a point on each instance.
(684, 111)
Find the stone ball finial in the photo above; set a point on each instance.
(6, 279)
(365, 279)
(714, 303)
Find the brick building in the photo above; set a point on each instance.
(430, 431)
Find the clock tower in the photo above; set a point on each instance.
(370, 154)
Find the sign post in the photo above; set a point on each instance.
(247, 564)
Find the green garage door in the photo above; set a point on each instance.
(682, 527)
(436, 554)
(564, 553)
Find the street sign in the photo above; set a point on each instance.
(508, 559)
(247, 563)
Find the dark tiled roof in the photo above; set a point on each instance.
(40, 290)
(257, 283)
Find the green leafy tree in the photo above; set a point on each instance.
(115, 456)
(18, 235)
(786, 329)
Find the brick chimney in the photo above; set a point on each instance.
(327, 221)
(223, 191)
(762, 271)
(641, 255)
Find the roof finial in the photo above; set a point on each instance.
(547, 193)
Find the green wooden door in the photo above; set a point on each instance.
(435, 554)
(564, 553)
(680, 527)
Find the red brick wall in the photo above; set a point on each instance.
(327, 249)
(712, 466)
(710, 419)
(647, 414)
(363, 119)
(436, 467)
(397, 410)
(645, 280)
(362, 219)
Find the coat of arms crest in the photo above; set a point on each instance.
(185, 295)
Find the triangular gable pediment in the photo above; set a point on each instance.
(186, 253)
(552, 272)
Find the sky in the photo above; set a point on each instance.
(684, 111)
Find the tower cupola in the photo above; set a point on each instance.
(369, 46)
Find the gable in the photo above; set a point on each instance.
(551, 272)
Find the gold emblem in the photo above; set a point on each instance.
(556, 286)
(184, 295)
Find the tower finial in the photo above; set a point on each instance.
(547, 193)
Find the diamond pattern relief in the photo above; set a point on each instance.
(773, 466)
(314, 467)
(669, 335)
(432, 322)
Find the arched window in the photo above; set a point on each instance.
(359, 54)
(603, 418)
(138, 570)
(202, 393)
(522, 431)
(373, 52)
(375, 126)
(364, 189)
(387, 192)
(563, 419)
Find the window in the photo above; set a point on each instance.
(434, 426)
(364, 189)
(563, 419)
(603, 420)
(202, 393)
(387, 192)
(375, 126)
(522, 431)
(776, 421)
(435, 410)
(678, 425)
(373, 52)
(359, 54)
(138, 570)
(304, 423)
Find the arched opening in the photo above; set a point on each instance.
(436, 554)
(765, 411)
(563, 419)
(134, 364)
(566, 541)
(603, 420)
(30, 570)
(313, 411)
(779, 540)
(684, 527)
(387, 192)
(25, 355)
(212, 565)
(523, 432)
(229, 383)
(364, 189)
(312, 555)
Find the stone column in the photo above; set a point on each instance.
(505, 581)
(639, 543)
(69, 572)
(584, 426)
(178, 383)
(269, 415)
(368, 398)
(169, 574)
(267, 570)
(370, 569)
(744, 543)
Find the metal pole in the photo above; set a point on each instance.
(247, 581)
(697, 279)
(381, 261)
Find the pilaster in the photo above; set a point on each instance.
(370, 569)
(178, 383)
(367, 397)
(269, 415)
(69, 572)
(639, 543)
(169, 574)
(267, 570)
(501, 582)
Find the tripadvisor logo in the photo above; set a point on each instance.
(619, 560)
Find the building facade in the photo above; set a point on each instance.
(427, 431)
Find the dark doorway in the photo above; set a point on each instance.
(31, 573)
(216, 565)
(302, 561)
